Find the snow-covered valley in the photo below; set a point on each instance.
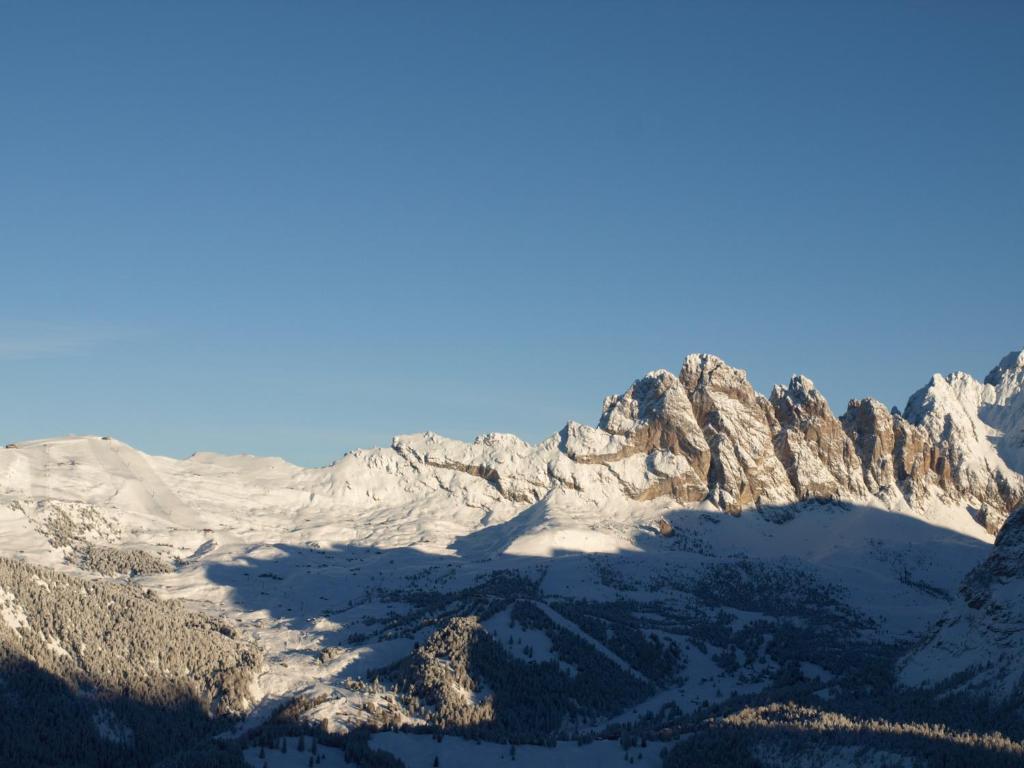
(646, 589)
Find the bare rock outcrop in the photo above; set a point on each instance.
(869, 425)
(820, 459)
(653, 422)
(739, 426)
(899, 462)
(656, 414)
(707, 435)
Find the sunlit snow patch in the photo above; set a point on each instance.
(551, 543)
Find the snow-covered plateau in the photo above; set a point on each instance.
(708, 576)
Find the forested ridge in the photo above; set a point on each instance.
(98, 673)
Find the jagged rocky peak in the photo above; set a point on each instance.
(800, 400)
(657, 395)
(739, 426)
(706, 434)
(956, 397)
(761, 452)
(869, 425)
(975, 430)
(656, 414)
(1007, 378)
(820, 459)
(898, 460)
(1004, 409)
(706, 375)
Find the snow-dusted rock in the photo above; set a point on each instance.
(897, 458)
(869, 425)
(739, 426)
(516, 469)
(819, 456)
(656, 413)
(589, 444)
(707, 435)
(966, 449)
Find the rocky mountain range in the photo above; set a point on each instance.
(706, 569)
(706, 435)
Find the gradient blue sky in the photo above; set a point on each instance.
(300, 228)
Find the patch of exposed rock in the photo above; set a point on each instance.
(739, 426)
(820, 458)
(899, 462)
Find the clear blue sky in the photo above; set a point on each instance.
(300, 228)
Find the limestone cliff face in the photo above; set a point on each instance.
(656, 414)
(707, 435)
(899, 461)
(739, 450)
(739, 426)
(871, 430)
(820, 458)
(719, 432)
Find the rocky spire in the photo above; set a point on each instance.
(739, 426)
(964, 422)
(706, 434)
(819, 457)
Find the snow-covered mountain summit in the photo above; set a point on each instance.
(974, 432)
(703, 437)
(701, 546)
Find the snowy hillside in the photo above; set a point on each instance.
(978, 645)
(703, 551)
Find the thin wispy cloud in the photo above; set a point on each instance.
(38, 342)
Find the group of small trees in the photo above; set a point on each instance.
(105, 674)
(781, 733)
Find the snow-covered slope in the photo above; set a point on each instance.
(709, 541)
(979, 644)
(1003, 408)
